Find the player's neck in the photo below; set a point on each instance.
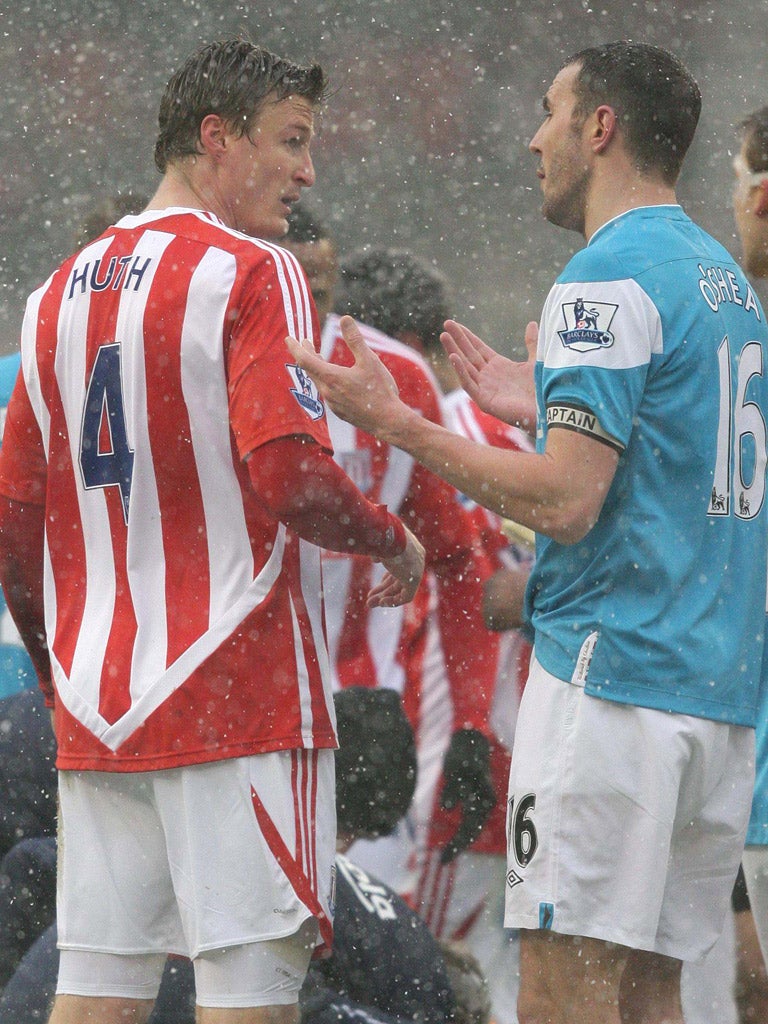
(629, 191)
(180, 188)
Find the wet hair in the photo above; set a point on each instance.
(755, 130)
(655, 98)
(106, 212)
(232, 79)
(305, 227)
(375, 762)
(394, 291)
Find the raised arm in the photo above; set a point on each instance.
(558, 492)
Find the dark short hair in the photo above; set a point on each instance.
(394, 291)
(375, 762)
(755, 130)
(304, 226)
(656, 100)
(232, 79)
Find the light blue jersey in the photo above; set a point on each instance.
(16, 672)
(653, 342)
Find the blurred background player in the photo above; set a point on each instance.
(405, 297)
(445, 673)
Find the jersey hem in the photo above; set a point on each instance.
(645, 696)
(67, 763)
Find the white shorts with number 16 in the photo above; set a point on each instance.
(624, 823)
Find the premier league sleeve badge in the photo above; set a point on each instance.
(305, 392)
(587, 325)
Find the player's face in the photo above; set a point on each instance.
(751, 226)
(320, 265)
(268, 166)
(563, 169)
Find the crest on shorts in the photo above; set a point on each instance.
(305, 392)
(587, 324)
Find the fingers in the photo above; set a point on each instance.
(355, 342)
(304, 355)
(465, 372)
(389, 593)
(469, 344)
(460, 341)
(402, 577)
(352, 335)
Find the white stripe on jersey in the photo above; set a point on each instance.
(311, 589)
(465, 422)
(295, 292)
(226, 529)
(29, 362)
(302, 672)
(150, 648)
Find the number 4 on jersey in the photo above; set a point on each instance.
(106, 458)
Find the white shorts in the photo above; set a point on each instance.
(624, 823)
(196, 859)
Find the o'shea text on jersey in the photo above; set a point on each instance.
(121, 271)
(718, 285)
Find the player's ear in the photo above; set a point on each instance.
(761, 205)
(603, 128)
(214, 135)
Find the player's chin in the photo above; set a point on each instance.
(270, 226)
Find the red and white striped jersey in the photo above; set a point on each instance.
(185, 623)
(385, 646)
(467, 418)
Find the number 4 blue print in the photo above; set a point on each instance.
(106, 458)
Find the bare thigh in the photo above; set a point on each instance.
(99, 1010)
(569, 979)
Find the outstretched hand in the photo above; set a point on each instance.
(402, 578)
(365, 393)
(500, 386)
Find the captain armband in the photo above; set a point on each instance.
(582, 421)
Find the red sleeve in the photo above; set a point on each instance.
(298, 482)
(23, 469)
(269, 395)
(22, 531)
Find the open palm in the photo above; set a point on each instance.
(500, 386)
